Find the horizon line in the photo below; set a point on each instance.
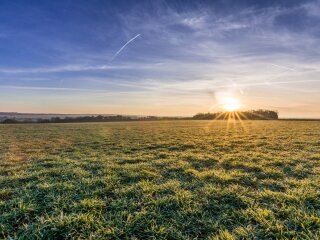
(148, 115)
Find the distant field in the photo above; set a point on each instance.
(161, 180)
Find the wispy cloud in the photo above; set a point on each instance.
(283, 67)
(65, 68)
(52, 89)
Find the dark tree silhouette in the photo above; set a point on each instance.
(242, 115)
(9, 121)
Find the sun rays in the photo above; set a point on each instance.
(232, 120)
(231, 111)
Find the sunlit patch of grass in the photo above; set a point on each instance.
(160, 180)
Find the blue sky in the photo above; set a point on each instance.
(159, 57)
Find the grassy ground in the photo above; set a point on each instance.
(176, 180)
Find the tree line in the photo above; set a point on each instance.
(99, 118)
(241, 115)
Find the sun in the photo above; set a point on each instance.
(231, 104)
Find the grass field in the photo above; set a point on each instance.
(161, 180)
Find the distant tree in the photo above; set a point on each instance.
(204, 116)
(40, 120)
(9, 121)
(55, 119)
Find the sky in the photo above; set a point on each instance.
(169, 58)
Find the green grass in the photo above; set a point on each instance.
(160, 180)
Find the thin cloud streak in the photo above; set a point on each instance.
(123, 47)
(68, 68)
(283, 67)
(54, 89)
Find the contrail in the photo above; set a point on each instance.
(120, 50)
